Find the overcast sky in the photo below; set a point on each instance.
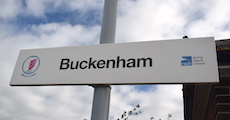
(29, 24)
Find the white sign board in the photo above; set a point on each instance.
(169, 61)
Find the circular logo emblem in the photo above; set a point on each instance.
(31, 64)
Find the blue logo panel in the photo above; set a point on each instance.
(187, 61)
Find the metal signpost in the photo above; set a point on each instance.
(101, 97)
(170, 61)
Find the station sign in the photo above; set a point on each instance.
(168, 61)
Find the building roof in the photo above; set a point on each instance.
(211, 101)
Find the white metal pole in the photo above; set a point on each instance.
(109, 22)
(101, 98)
